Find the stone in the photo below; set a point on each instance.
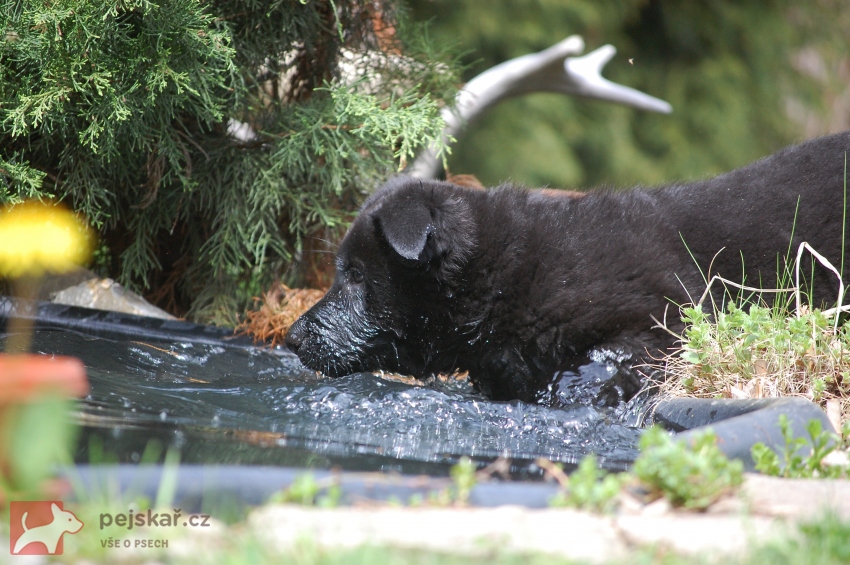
(795, 498)
(470, 531)
(106, 294)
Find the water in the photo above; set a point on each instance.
(222, 404)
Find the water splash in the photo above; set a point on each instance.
(232, 400)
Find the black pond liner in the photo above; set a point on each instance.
(117, 325)
(739, 424)
(228, 488)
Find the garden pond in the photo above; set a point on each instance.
(222, 403)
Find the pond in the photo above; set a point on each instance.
(228, 404)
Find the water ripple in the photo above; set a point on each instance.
(241, 390)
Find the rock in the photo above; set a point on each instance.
(696, 533)
(660, 507)
(796, 498)
(471, 531)
(106, 294)
(566, 533)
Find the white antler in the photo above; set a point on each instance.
(552, 70)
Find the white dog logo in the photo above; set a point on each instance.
(48, 534)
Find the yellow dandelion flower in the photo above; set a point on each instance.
(36, 238)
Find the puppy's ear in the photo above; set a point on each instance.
(406, 224)
(423, 229)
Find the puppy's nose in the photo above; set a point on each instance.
(294, 337)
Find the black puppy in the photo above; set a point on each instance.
(514, 285)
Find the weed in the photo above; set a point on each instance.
(307, 491)
(588, 487)
(327, 493)
(692, 476)
(761, 353)
(790, 463)
(464, 477)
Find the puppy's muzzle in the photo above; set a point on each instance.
(295, 336)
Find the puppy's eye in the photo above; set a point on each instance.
(355, 275)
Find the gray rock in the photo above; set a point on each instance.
(469, 531)
(796, 498)
(106, 294)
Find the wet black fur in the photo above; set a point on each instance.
(513, 285)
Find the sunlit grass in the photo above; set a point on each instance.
(759, 348)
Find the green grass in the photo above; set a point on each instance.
(692, 476)
(761, 352)
(790, 461)
(689, 475)
(588, 487)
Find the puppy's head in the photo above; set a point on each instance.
(396, 270)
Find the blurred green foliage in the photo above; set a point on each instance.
(591, 488)
(692, 476)
(805, 457)
(744, 79)
(121, 109)
(29, 464)
(307, 491)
